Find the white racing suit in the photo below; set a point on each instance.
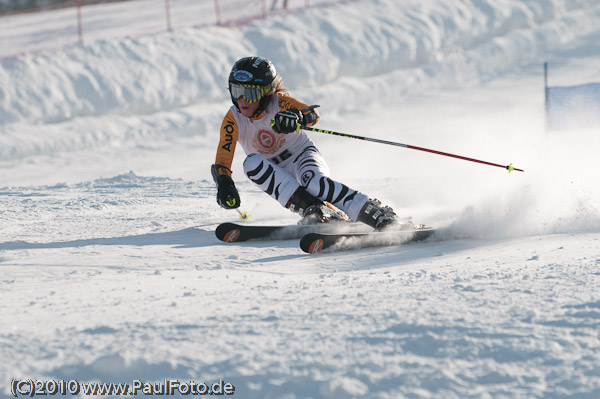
(280, 163)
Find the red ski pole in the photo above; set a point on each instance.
(510, 168)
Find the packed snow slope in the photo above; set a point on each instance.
(110, 271)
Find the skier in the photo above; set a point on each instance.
(281, 158)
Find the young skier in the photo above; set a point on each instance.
(281, 158)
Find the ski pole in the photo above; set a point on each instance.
(510, 168)
(243, 215)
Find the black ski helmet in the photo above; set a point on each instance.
(258, 77)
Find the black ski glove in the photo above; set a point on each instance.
(287, 121)
(227, 195)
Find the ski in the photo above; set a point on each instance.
(234, 232)
(316, 242)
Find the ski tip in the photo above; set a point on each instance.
(228, 232)
(232, 235)
(316, 246)
(313, 243)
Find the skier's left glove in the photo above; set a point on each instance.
(288, 121)
(227, 195)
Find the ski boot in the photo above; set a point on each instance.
(381, 217)
(311, 209)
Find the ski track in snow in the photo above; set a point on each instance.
(110, 270)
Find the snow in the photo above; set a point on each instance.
(110, 271)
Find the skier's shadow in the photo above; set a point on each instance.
(191, 237)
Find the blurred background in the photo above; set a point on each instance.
(75, 21)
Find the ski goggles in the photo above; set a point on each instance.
(250, 93)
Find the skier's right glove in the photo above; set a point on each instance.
(287, 121)
(227, 195)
